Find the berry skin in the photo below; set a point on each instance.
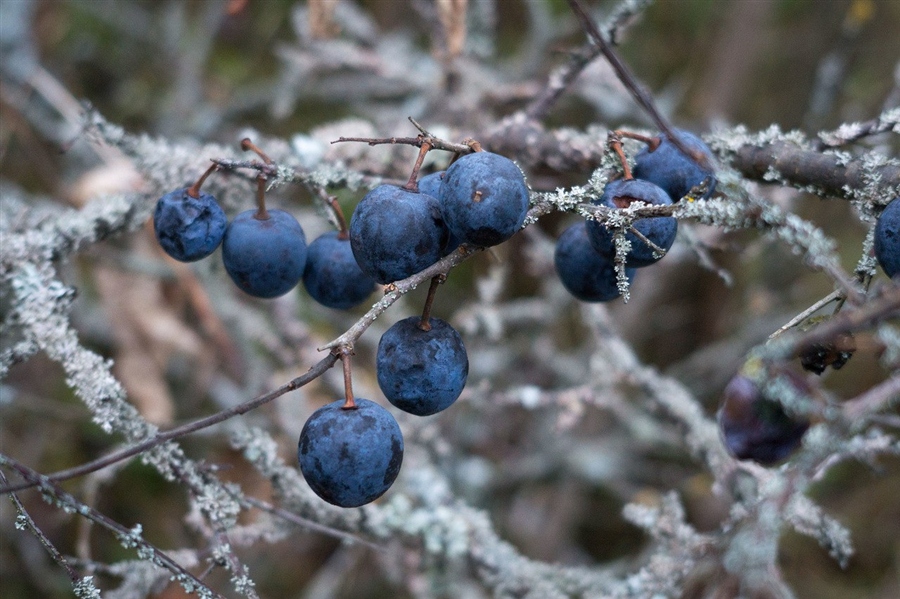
(887, 239)
(667, 167)
(660, 230)
(421, 372)
(395, 233)
(431, 185)
(754, 427)
(332, 277)
(484, 198)
(350, 457)
(188, 228)
(586, 274)
(264, 258)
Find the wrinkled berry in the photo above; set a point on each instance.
(332, 277)
(188, 228)
(431, 185)
(395, 233)
(484, 198)
(350, 457)
(421, 372)
(264, 257)
(660, 230)
(586, 274)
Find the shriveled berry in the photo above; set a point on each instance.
(756, 427)
(395, 233)
(586, 274)
(887, 239)
(188, 228)
(484, 198)
(332, 277)
(421, 372)
(669, 168)
(264, 257)
(350, 457)
(431, 185)
(660, 230)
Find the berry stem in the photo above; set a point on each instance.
(615, 143)
(343, 232)
(349, 401)
(652, 142)
(247, 145)
(194, 190)
(425, 324)
(412, 184)
(261, 212)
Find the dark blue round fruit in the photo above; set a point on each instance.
(660, 230)
(756, 427)
(188, 228)
(264, 257)
(332, 277)
(395, 233)
(350, 457)
(421, 372)
(669, 168)
(887, 239)
(431, 185)
(484, 198)
(586, 274)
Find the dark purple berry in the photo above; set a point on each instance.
(660, 230)
(669, 168)
(755, 427)
(484, 198)
(431, 185)
(332, 277)
(887, 239)
(421, 372)
(586, 274)
(350, 457)
(188, 228)
(264, 257)
(395, 233)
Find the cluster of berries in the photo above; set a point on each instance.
(585, 252)
(264, 251)
(350, 451)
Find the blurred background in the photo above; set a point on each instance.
(553, 482)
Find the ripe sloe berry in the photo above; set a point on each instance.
(421, 372)
(350, 457)
(395, 233)
(660, 230)
(484, 198)
(188, 228)
(264, 257)
(755, 427)
(431, 185)
(586, 274)
(669, 168)
(887, 239)
(332, 277)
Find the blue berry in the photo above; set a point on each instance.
(670, 169)
(887, 239)
(421, 372)
(395, 233)
(431, 185)
(660, 230)
(755, 427)
(484, 198)
(188, 228)
(332, 277)
(264, 257)
(586, 274)
(350, 457)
